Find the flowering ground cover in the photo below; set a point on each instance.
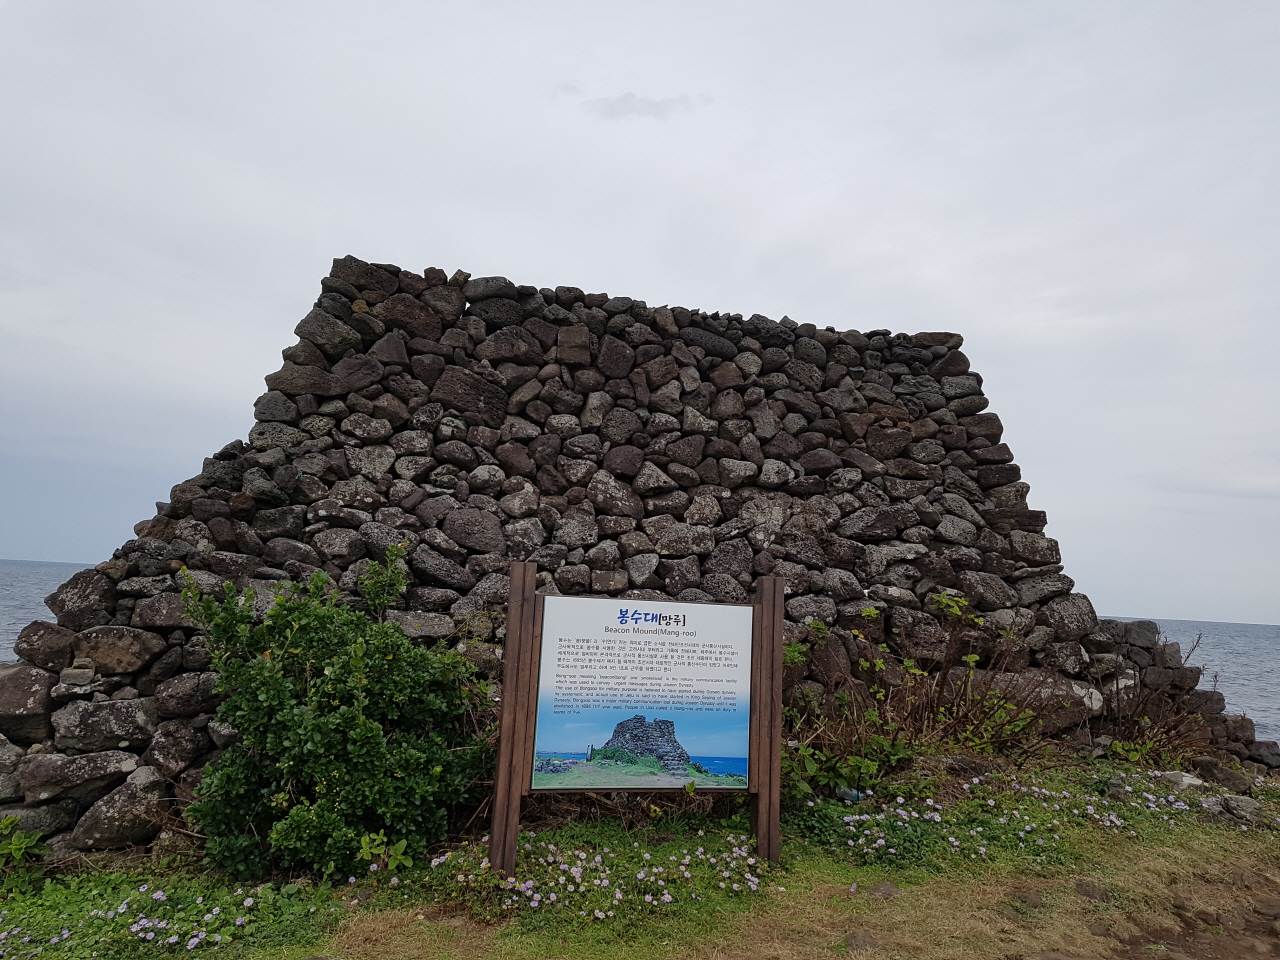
(600, 874)
(1013, 818)
(123, 915)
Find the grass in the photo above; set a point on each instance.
(960, 853)
(632, 776)
(130, 915)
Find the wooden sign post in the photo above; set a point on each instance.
(520, 692)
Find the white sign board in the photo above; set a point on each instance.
(640, 694)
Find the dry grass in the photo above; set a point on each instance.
(932, 918)
(980, 919)
(423, 934)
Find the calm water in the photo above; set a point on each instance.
(1245, 657)
(23, 586)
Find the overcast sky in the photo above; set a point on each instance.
(1088, 191)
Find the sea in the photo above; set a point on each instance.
(1240, 659)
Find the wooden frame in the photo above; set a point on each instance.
(521, 663)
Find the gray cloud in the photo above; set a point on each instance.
(629, 105)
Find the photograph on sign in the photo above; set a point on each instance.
(642, 695)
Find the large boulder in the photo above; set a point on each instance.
(188, 695)
(419, 624)
(11, 755)
(109, 725)
(25, 703)
(164, 611)
(175, 744)
(464, 390)
(808, 608)
(477, 530)
(45, 820)
(129, 815)
(432, 568)
(1057, 701)
(45, 776)
(46, 645)
(83, 601)
(917, 636)
(119, 649)
(986, 591)
(612, 497)
(1071, 616)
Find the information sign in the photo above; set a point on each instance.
(612, 694)
(643, 695)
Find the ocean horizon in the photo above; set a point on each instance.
(1240, 659)
(720, 765)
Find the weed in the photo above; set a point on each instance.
(16, 848)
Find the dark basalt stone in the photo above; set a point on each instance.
(650, 738)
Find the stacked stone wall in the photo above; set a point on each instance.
(650, 738)
(627, 450)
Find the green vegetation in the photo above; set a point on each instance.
(347, 729)
(130, 915)
(589, 775)
(657, 876)
(632, 777)
(626, 758)
(17, 873)
(666, 876)
(794, 654)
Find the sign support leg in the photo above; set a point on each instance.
(766, 808)
(518, 705)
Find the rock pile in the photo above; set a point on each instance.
(650, 738)
(627, 450)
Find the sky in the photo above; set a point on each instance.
(1085, 190)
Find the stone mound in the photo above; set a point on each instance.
(650, 738)
(628, 451)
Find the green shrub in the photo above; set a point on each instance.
(626, 757)
(347, 729)
(616, 754)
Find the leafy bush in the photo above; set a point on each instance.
(347, 729)
(794, 654)
(17, 875)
